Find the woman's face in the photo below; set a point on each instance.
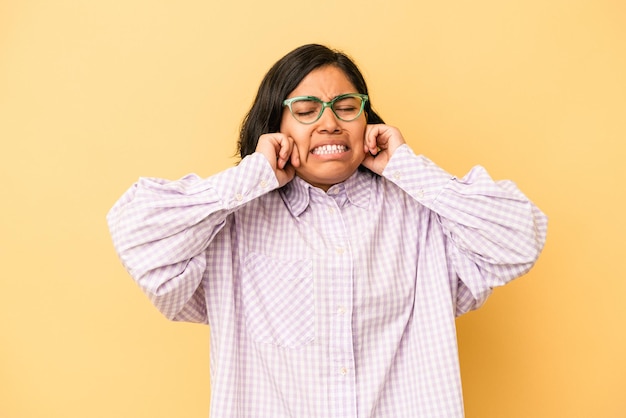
(330, 149)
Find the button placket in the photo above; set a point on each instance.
(338, 275)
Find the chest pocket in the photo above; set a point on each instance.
(278, 300)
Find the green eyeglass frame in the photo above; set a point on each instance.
(364, 98)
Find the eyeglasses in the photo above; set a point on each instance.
(308, 109)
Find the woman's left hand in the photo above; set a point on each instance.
(381, 141)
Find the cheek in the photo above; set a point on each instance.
(298, 132)
(289, 127)
(284, 125)
(359, 139)
(303, 147)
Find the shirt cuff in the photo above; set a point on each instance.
(251, 178)
(416, 175)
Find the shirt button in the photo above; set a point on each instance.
(343, 371)
(331, 211)
(263, 183)
(341, 310)
(397, 175)
(420, 193)
(239, 197)
(340, 250)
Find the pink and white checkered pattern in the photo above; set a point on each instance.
(338, 304)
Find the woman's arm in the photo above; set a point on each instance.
(493, 232)
(161, 230)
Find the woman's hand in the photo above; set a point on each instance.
(381, 141)
(282, 154)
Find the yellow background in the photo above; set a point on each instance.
(94, 94)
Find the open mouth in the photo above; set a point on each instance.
(329, 149)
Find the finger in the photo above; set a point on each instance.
(367, 141)
(284, 152)
(295, 155)
(268, 146)
(372, 138)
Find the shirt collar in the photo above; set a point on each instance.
(297, 193)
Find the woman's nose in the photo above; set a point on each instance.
(328, 122)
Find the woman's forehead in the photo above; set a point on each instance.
(325, 82)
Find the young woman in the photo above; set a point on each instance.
(331, 262)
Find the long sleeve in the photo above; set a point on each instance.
(161, 230)
(493, 232)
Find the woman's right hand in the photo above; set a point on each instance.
(282, 154)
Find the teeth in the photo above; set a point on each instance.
(329, 149)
